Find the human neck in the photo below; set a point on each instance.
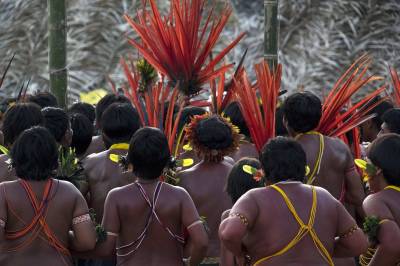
(147, 181)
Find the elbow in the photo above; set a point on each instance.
(390, 248)
(86, 245)
(201, 243)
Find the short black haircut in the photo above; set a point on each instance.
(283, 159)
(384, 152)
(43, 99)
(105, 102)
(187, 114)
(84, 109)
(233, 112)
(120, 121)
(149, 153)
(302, 111)
(379, 110)
(35, 154)
(82, 130)
(214, 133)
(56, 121)
(19, 117)
(392, 120)
(239, 182)
(280, 128)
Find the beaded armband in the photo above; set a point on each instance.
(349, 232)
(2, 223)
(81, 219)
(242, 218)
(194, 224)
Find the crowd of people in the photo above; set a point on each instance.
(300, 201)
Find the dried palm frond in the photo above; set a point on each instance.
(179, 44)
(396, 86)
(260, 118)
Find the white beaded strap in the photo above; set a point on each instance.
(194, 224)
(2, 223)
(112, 234)
(81, 219)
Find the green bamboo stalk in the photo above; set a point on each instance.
(271, 32)
(58, 50)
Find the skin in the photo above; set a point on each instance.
(102, 176)
(96, 146)
(271, 226)
(126, 213)
(385, 205)
(246, 149)
(384, 130)
(337, 167)
(65, 197)
(369, 131)
(205, 183)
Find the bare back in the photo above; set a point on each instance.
(246, 149)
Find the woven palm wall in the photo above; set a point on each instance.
(318, 39)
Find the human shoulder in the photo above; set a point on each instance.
(374, 205)
(93, 159)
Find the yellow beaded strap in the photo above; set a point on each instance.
(119, 146)
(304, 229)
(393, 187)
(4, 150)
(317, 166)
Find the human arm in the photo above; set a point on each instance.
(354, 187)
(197, 234)
(351, 241)
(226, 257)
(242, 217)
(388, 249)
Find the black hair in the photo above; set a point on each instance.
(84, 109)
(82, 130)
(233, 112)
(149, 153)
(279, 125)
(19, 117)
(384, 152)
(379, 110)
(105, 102)
(283, 159)
(239, 182)
(43, 99)
(392, 120)
(35, 154)
(187, 114)
(302, 111)
(120, 121)
(214, 133)
(56, 121)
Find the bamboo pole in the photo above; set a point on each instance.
(57, 50)
(271, 32)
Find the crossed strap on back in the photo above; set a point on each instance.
(152, 204)
(304, 229)
(38, 223)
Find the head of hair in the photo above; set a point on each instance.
(302, 111)
(384, 152)
(149, 153)
(239, 182)
(233, 112)
(105, 102)
(43, 99)
(82, 130)
(214, 133)
(187, 114)
(279, 125)
(379, 110)
(392, 120)
(84, 109)
(283, 159)
(35, 154)
(120, 121)
(19, 117)
(56, 121)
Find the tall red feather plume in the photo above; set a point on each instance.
(260, 118)
(179, 44)
(396, 86)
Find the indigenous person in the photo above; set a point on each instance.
(241, 179)
(17, 118)
(82, 130)
(102, 169)
(97, 144)
(37, 212)
(390, 122)
(85, 109)
(212, 137)
(57, 122)
(289, 222)
(246, 148)
(145, 221)
(43, 99)
(369, 130)
(384, 182)
(330, 160)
